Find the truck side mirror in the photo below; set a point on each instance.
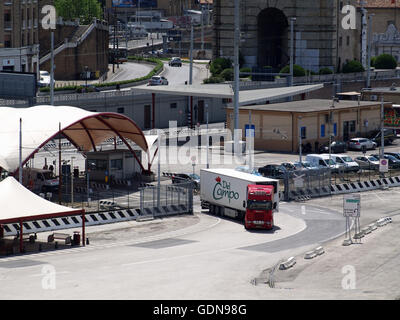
(244, 204)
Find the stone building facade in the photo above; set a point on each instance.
(265, 33)
(19, 35)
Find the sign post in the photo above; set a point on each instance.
(351, 209)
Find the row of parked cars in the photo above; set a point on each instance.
(360, 143)
(336, 162)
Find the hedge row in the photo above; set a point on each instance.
(159, 65)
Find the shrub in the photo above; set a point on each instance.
(373, 60)
(385, 61)
(325, 71)
(212, 79)
(353, 66)
(227, 74)
(220, 64)
(298, 71)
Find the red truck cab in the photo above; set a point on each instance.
(259, 209)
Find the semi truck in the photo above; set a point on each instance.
(240, 195)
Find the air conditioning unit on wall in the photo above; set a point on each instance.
(374, 97)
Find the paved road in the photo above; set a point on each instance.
(192, 257)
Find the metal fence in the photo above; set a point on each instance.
(307, 183)
(302, 185)
(166, 199)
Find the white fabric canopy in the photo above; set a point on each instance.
(17, 202)
(41, 123)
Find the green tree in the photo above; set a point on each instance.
(220, 64)
(353, 66)
(385, 61)
(298, 71)
(85, 10)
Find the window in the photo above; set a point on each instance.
(322, 130)
(335, 129)
(353, 126)
(116, 164)
(97, 165)
(340, 41)
(173, 105)
(348, 40)
(121, 110)
(303, 132)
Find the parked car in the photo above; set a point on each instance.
(349, 164)
(247, 170)
(336, 147)
(305, 165)
(324, 161)
(175, 61)
(389, 135)
(289, 166)
(394, 163)
(158, 80)
(367, 162)
(276, 171)
(44, 80)
(394, 154)
(360, 143)
(186, 177)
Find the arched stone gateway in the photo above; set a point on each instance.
(265, 32)
(272, 31)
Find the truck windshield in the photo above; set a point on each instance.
(259, 205)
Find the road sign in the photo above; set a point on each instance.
(383, 165)
(249, 130)
(351, 205)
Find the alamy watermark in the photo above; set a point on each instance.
(349, 280)
(48, 277)
(183, 147)
(50, 17)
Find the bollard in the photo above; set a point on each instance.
(87, 241)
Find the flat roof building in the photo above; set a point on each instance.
(278, 126)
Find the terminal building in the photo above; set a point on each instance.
(278, 126)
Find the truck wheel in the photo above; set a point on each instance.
(212, 209)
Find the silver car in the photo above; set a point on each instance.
(362, 143)
(157, 81)
(367, 162)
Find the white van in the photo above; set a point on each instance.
(349, 164)
(323, 161)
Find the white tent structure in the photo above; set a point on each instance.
(39, 124)
(19, 205)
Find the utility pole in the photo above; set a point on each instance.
(292, 20)
(236, 76)
(369, 50)
(208, 139)
(20, 152)
(300, 142)
(382, 151)
(52, 70)
(202, 28)
(363, 34)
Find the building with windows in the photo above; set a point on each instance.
(278, 126)
(19, 35)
